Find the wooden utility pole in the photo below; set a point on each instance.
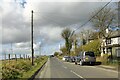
(11, 49)
(32, 38)
(40, 46)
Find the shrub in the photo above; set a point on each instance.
(25, 65)
(10, 73)
(104, 59)
(91, 46)
(16, 70)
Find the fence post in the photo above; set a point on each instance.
(5, 57)
(15, 57)
(26, 56)
(9, 57)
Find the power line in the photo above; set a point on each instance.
(85, 22)
(91, 17)
(53, 20)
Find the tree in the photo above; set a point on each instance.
(56, 53)
(85, 34)
(63, 50)
(75, 44)
(94, 35)
(91, 46)
(104, 20)
(67, 36)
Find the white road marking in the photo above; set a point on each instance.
(99, 68)
(77, 74)
(64, 67)
(105, 69)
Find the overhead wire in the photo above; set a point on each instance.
(91, 17)
(83, 23)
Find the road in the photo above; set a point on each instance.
(55, 68)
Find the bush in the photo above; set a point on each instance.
(15, 70)
(104, 59)
(39, 59)
(91, 46)
(21, 68)
(25, 65)
(10, 73)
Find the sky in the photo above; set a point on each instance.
(50, 18)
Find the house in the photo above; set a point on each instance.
(111, 45)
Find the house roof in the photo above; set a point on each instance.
(115, 34)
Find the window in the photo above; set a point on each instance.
(91, 54)
(108, 41)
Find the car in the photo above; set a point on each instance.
(72, 59)
(66, 58)
(86, 57)
(51, 55)
(77, 59)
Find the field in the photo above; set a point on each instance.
(22, 68)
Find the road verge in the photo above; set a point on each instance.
(108, 67)
(36, 73)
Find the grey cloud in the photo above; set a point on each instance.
(15, 35)
(22, 45)
(53, 17)
(64, 14)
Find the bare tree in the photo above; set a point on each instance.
(75, 43)
(104, 20)
(85, 35)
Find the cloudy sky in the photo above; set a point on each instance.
(50, 18)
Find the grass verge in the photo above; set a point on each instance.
(60, 57)
(105, 61)
(29, 73)
(21, 69)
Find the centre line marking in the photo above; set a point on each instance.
(77, 74)
(64, 67)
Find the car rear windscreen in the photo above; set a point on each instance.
(90, 54)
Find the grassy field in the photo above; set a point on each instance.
(0, 69)
(21, 69)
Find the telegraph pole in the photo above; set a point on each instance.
(40, 49)
(32, 38)
(11, 49)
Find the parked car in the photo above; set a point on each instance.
(72, 59)
(66, 58)
(51, 55)
(77, 59)
(86, 57)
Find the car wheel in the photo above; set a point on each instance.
(75, 63)
(81, 63)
